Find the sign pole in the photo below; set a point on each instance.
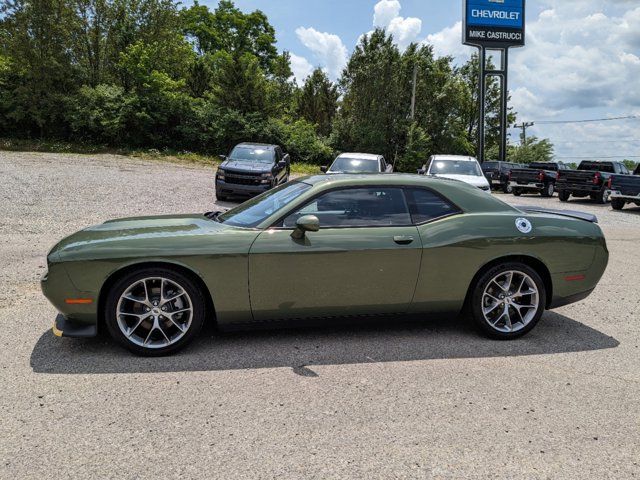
(493, 25)
(503, 106)
(482, 60)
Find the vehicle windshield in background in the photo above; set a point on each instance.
(454, 167)
(243, 153)
(252, 212)
(354, 165)
(487, 165)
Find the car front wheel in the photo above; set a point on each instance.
(506, 188)
(517, 192)
(508, 300)
(155, 311)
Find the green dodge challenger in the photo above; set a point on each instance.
(324, 246)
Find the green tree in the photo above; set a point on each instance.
(239, 83)
(229, 29)
(372, 117)
(318, 101)
(531, 150)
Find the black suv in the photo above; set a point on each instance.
(497, 174)
(250, 169)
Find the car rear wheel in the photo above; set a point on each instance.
(506, 188)
(602, 197)
(508, 300)
(617, 203)
(548, 190)
(563, 196)
(154, 312)
(517, 192)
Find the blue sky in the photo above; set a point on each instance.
(582, 59)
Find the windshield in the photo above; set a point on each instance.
(249, 153)
(354, 165)
(252, 212)
(455, 167)
(490, 165)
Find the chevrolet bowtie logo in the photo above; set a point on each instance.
(496, 1)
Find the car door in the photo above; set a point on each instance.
(364, 259)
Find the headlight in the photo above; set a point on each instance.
(268, 175)
(220, 174)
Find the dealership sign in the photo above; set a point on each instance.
(493, 23)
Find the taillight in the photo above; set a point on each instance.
(509, 176)
(541, 176)
(559, 175)
(609, 183)
(596, 178)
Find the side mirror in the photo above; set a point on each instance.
(287, 159)
(306, 223)
(422, 171)
(324, 169)
(222, 157)
(282, 164)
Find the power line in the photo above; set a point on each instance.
(591, 120)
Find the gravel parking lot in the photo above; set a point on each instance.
(400, 399)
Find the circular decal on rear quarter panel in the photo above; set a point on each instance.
(523, 225)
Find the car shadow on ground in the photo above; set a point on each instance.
(388, 340)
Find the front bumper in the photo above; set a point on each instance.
(64, 327)
(238, 189)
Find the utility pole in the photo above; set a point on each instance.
(524, 126)
(413, 92)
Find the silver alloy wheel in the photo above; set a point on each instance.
(550, 189)
(154, 312)
(510, 301)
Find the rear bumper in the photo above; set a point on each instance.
(63, 327)
(527, 185)
(583, 189)
(625, 196)
(238, 189)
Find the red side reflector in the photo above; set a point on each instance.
(78, 301)
(574, 278)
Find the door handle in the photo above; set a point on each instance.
(403, 239)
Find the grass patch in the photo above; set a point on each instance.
(174, 156)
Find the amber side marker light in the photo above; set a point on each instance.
(78, 301)
(574, 278)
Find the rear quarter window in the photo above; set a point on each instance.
(426, 205)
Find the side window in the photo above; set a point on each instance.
(278, 154)
(426, 205)
(356, 207)
(382, 165)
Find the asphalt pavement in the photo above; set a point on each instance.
(374, 400)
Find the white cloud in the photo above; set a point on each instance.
(386, 14)
(448, 41)
(300, 67)
(384, 11)
(327, 48)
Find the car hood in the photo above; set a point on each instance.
(245, 166)
(476, 181)
(134, 235)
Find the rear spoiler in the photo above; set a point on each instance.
(564, 213)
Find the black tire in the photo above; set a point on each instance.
(221, 198)
(475, 308)
(517, 192)
(601, 197)
(548, 190)
(189, 286)
(617, 203)
(506, 188)
(563, 195)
